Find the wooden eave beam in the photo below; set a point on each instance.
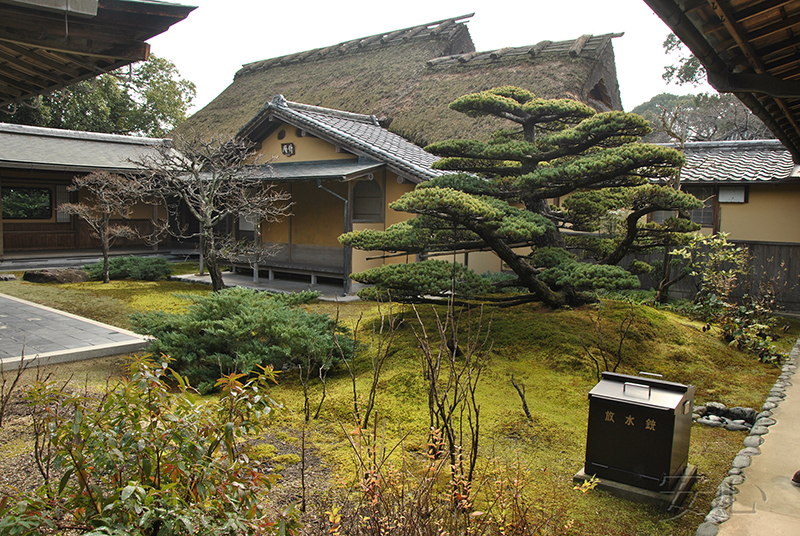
(758, 9)
(729, 20)
(16, 86)
(27, 69)
(676, 18)
(755, 83)
(776, 30)
(131, 51)
(783, 88)
(40, 58)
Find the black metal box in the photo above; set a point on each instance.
(639, 431)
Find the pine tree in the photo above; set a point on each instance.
(499, 199)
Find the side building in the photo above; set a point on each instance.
(37, 166)
(751, 191)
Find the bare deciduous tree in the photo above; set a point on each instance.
(109, 195)
(215, 180)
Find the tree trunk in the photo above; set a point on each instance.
(104, 245)
(212, 262)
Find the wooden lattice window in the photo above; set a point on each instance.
(367, 201)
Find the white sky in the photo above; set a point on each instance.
(221, 35)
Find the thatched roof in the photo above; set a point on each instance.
(409, 77)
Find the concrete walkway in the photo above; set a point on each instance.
(767, 502)
(231, 279)
(46, 335)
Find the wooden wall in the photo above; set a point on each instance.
(772, 263)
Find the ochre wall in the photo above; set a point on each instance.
(317, 217)
(307, 148)
(771, 214)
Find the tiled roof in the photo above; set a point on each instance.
(325, 170)
(590, 46)
(744, 161)
(360, 134)
(29, 147)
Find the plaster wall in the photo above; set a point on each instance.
(307, 148)
(771, 214)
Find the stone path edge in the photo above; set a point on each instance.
(720, 506)
(76, 354)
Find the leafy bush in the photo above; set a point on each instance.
(139, 268)
(747, 325)
(238, 329)
(146, 459)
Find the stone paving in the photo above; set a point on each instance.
(54, 336)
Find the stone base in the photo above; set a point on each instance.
(667, 501)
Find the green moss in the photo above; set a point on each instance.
(287, 459)
(263, 451)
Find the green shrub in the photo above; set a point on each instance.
(237, 329)
(139, 268)
(148, 458)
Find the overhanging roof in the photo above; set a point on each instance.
(45, 46)
(750, 48)
(341, 170)
(72, 151)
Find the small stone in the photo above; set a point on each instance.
(723, 501)
(765, 421)
(769, 405)
(775, 399)
(745, 414)
(735, 480)
(709, 528)
(737, 427)
(700, 410)
(696, 416)
(718, 515)
(777, 393)
(749, 451)
(714, 417)
(734, 471)
(759, 430)
(753, 441)
(716, 408)
(8, 277)
(763, 414)
(741, 462)
(709, 422)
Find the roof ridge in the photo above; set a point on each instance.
(731, 144)
(280, 101)
(434, 29)
(571, 47)
(79, 134)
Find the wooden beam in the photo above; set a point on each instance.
(73, 37)
(39, 58)
(539, 47)
(755, 83)
(15, 86)
(26, 69)
(577, 46)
